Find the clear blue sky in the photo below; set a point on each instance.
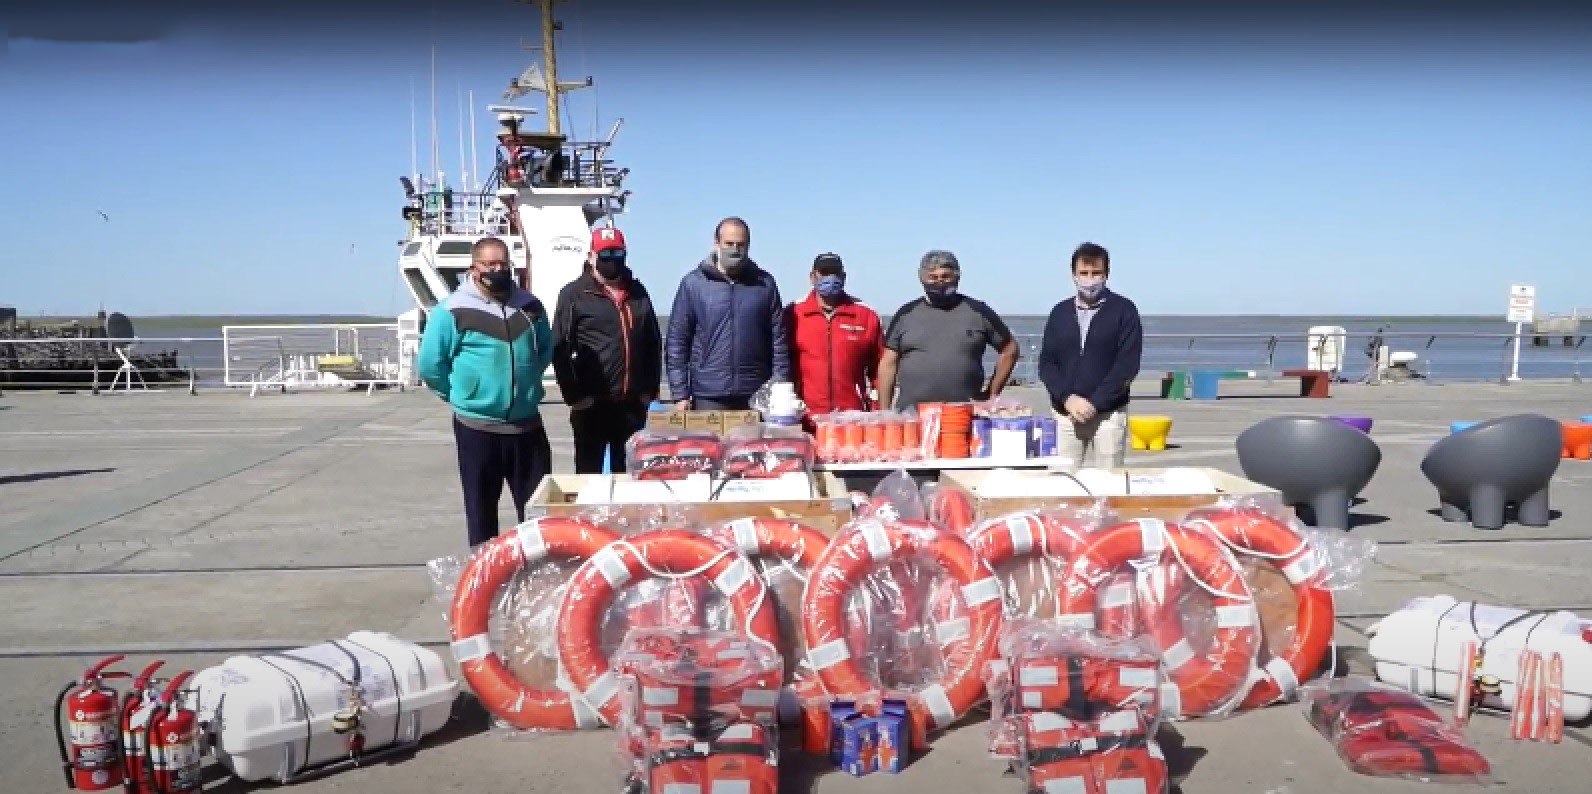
(253, 168)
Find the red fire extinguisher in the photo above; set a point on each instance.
(93, 762)
(137, 707)
(176, 749)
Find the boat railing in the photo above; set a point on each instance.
(586, 165)
(312, 356)
(1442, 356)
(461, 213)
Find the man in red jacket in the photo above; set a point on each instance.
(836, 342)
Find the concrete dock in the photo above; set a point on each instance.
(195, 527)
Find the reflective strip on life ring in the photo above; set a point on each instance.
(493, 565)
(850, 558)
(659, 552)
(1204, 684)
(1021, 535)
(1258, 533)
(786, 539)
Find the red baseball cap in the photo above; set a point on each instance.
(606, 237)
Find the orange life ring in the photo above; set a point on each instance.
(871, 545)
(1027, 534)
(786, 539)
(1203, 684)
(1255, 532)
(493, 565)
(659, 552)
(952, 508)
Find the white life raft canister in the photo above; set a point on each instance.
(270, 715)
(1419, 648)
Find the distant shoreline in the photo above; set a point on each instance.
(204, 320)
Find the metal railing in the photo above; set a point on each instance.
(283, 357)
(317, 356)
(311, 356)
(1442, 356)
(461, 213)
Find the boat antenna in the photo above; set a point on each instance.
(414, 152)
(435, 173)
(464, 168)
(475, 162)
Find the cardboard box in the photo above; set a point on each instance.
(715, 421)
(1163, 503)
(825, 505)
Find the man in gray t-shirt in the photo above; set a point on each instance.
(934, 347)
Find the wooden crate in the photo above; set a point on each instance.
(719, 422)
(827, 512)
(1168, 507)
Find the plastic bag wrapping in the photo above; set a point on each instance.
(766, 451)
(698, 693)
(1046, 667)
(697, 568)
(1385, 732)
(950, 506)
(504, 602)
(784, 552)
(1192, 601)
(1031, 551)
(866, 632)
(1115, 752)
(1293, 573)
(672, 454)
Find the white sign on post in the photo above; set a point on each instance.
(1522, 310)
(1522, 303)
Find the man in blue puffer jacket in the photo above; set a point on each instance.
(485, 350)
(727, 333)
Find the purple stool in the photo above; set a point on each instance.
(1360, 423)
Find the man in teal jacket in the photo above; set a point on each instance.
(485, 350)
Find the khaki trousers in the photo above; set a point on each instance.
(1100, 443)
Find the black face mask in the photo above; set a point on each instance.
(610, 268)
(498, 282)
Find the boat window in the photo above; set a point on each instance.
(411, 249)
(452, 275)
(422, 290)
(454, 248)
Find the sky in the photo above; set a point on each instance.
(1351, 162)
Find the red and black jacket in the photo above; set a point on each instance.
(834, 358)
(603, 350)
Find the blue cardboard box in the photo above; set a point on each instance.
(860, 744)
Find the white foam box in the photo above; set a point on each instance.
(1417, 648)
(1166, 493)
(270, 715)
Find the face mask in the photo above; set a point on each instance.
(940, 296)
(498, 282)
(610, 268)
(731, 260)
(830, 286)
(1089, 289)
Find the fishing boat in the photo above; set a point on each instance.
(543, 195)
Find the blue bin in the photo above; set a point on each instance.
(1207, 383)
(1455, 427)
(1587, 419)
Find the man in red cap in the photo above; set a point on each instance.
(836, 343)
(607, 353)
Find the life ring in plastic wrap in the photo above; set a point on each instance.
(493, 565)
(871, 545)
(787, 540)
(1255, 532)
(952, 508)
(661, 552)
(1205, 683)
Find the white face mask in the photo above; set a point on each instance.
(1089, 288)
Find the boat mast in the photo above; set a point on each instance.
(553, 87)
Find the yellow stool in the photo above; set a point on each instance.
(1149, 432)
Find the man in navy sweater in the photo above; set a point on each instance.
(1088, 360)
